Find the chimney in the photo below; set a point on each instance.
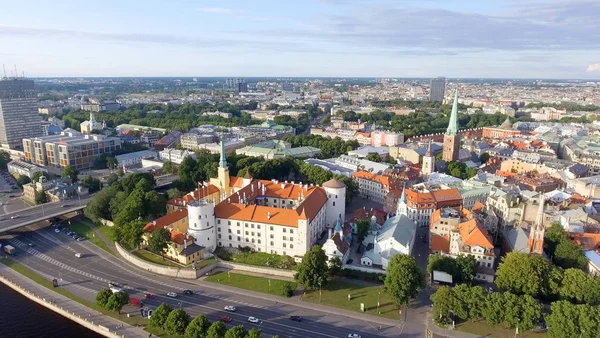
(153, 222)
(330, 232)
(282, 185)
(268, 215)
(228, 200)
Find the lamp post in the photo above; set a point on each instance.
(269, 285)
(320, 292)
(378, 294)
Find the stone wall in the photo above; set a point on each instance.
(256, 269)
(364, 269)
(161, 269)
(103, 330)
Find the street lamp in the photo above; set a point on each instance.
(269, 285)
(378, 294)
(320, 292)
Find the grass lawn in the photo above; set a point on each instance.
(154, 258)
(161, 333)
(253, 283)
(205, 262)
(498, 331)
(83, 229)
(31, 204)
(134, 320)
(336, 295)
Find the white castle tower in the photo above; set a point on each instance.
(201, 224)
(336, 201)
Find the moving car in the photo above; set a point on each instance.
(296, 318)
(57, 230)
(255, 320)
(230, 308)
(31, 245)
(188, 292)
(64, 205)
(226, 319)
(78, 255)
(353, 335)
(14, 217)
(148, 295)
(171, 294)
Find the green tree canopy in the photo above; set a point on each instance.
(117, 300)
(404, 279)
(70, 172)
(40, 197)
(521, 274)
(176, 322)
(198, 328)
(102, 297)
(254, 333)
(236, 332)
(216, 330)
(159, 241)
(313, 270)
(375, 157)
(160, 315)
(362, 229)
(570, 255)
(130, 233)
(4, 159)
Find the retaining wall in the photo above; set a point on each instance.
(257, 269)
(103, 330)
(364, 269)
(160, 269)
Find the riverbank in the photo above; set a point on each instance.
(84, 316)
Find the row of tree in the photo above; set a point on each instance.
(112, 301)
(330, 147)
(462, 269)
(465, 302)
(534, 276)
(179, 322)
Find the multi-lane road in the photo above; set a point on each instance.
(41, 212)
(53, 256)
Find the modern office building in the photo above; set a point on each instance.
(19, 118)
(69, 148)
(438, 89)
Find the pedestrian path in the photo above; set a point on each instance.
(106, 325)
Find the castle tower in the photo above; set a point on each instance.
(537, 231)
(428, 166)
(201, 224)
(223, 173)
(336, 201)
(451, 141)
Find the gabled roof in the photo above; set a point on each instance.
(387, 181)
(340, 243)
(166, 220)
(518, 239)
(440, 243)
(474, 234)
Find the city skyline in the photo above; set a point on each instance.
(321, 38)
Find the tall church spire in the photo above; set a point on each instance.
(402, 208)
(539, 219)
(223, 160)
(428, 152)
(453, 125)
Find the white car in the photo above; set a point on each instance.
(14, 217)
(171, 294)
(353, 335)
(253, 320)
(230, 308)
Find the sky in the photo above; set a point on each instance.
(305, 38)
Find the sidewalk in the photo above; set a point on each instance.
(98, 233)
(108, 325)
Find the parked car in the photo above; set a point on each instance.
(353, 335)
(148, 295)
(255, 320)
(57, 230)
(230, 308)
(188, 292)
(226, 319)
(2, 218)
(171, 294)
(296, 318)
(64, 205)
(81, 238)
(78, 255)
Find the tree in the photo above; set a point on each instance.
(443, 263)
(130, 233)
(442, 300)
(70, 172)
(40, 197)
(520, 273)
(573, 285)
(198, 328)
(112, 178)
(160, 315)
(466, 265)
(176, 322)
(375, 157)
(22, 180)
(362, 229)
(460, 307)
(37, 175)
(531, 312)
(591, 291)
(313, 271)
(288, 290)
(554, 235)
(159, 241)
(335, 266)
(484, 157)
(99, 205)
(175, 193)
(117, 300)
(563, 320)
(169, 168)
(93, 184)
(254, 333)
(216, 330)
(569, 255)
(512, 309)
(404, 279)
(4, 159)
(236, 332)
(103, 296)
(493, 309)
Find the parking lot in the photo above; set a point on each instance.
(10, 194)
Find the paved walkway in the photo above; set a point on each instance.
(100, 234)
(72, 306)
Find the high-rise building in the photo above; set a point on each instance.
(438, 89)
(451, 140)
(19, 116)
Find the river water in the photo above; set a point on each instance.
(21, 317)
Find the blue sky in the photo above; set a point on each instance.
(370, 38)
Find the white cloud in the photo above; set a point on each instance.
(215, 10)
(594, 67)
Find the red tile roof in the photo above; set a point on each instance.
(440, 243)
(166, 220)
(388, 182)
(475, 234)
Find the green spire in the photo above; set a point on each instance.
(223, 161)
(453, 125)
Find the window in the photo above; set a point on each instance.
(258, 234)
(219, 236)
(284, 229)
(291, 239)
(259, 241)
(219, 229)
(247, 240)
(229, 237)
(246, 225)
(291, 231)
(238, 232)
(284, 238)
(246, 233)
(238, 223)
(219, 222)
(208, 224)
(291, 246)
(252, 240)
(239, 238)
(229, 230)
(230, 245)
(272, 236)
(284, 253)
(228, 222)
(272, 243)
(334, 203)
(252, 233)
(252, 226)
(258, 226)
(284, 245)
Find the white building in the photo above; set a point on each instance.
(175, 156)
(127, 160)
(338, 243)
(23, 168)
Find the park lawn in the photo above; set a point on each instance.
(336, 295)
(161, 333)
(23, 270)
(481, 328)
(154, 258)
(253, 283)
(83, 229)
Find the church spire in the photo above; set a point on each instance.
(539, 219)
(453, 125)
(428, 153)
(223, 160)
(402, 208)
